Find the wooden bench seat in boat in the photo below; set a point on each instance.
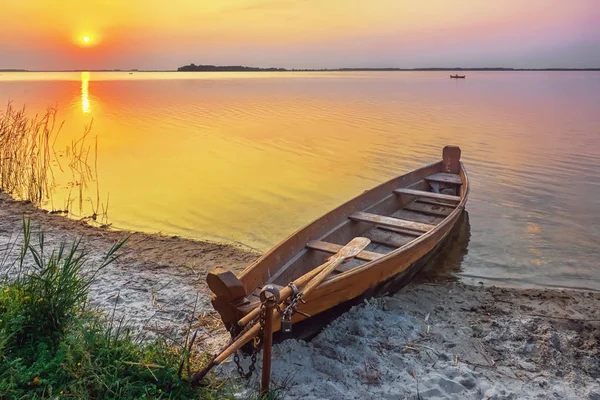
(333, 248)
(430, 195)
(438, 210)
(388, 238)
(424, 200)
(391, 222)
(444, 177)
(408, 232)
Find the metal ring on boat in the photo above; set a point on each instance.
(294, 288)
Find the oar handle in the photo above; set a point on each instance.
(198, 376)
(232, 348)
(235, 346)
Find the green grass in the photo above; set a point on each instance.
(53, 346)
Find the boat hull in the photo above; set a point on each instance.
(308, 328)
(293, 258)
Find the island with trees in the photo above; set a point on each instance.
(226, 68)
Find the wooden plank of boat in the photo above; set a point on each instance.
(444, 177)
(430, 195)
(391, 222)
(333, 248)
(407, 232)
(440, 203)
(388, 238)
(415, 216)
(430, 209)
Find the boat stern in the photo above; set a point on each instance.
(229, 294)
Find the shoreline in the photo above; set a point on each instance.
(433, 340)
(152, 286)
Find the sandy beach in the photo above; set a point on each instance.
(431, 340)
(453, 341)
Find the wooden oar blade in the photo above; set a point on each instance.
(347, 252)
(354, 247)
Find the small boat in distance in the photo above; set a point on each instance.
(458, 76)
(404, 222)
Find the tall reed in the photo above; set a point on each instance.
(25, 153)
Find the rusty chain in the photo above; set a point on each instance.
(291, 307)
(257, 345)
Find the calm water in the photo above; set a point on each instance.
(253, 157)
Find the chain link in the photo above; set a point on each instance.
(236, 360)
(291, 307)
(257, 345)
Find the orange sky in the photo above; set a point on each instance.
(164, 34)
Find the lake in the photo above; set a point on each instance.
(251, 157)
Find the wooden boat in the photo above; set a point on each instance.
(458, 76)
(406, 219)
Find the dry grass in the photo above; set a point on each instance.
(27, 155)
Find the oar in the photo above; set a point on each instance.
(350, 250)
(286, 292)
(347, 252)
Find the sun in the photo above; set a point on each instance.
(87, 40)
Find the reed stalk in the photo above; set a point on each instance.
(25, 153)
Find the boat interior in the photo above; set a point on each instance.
(396, 220)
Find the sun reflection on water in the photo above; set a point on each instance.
(85, 100)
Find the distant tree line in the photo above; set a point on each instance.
(226, 68)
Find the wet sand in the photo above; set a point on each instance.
(430, 340)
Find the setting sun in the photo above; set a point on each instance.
(87, 40)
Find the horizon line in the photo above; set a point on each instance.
(275, 69)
